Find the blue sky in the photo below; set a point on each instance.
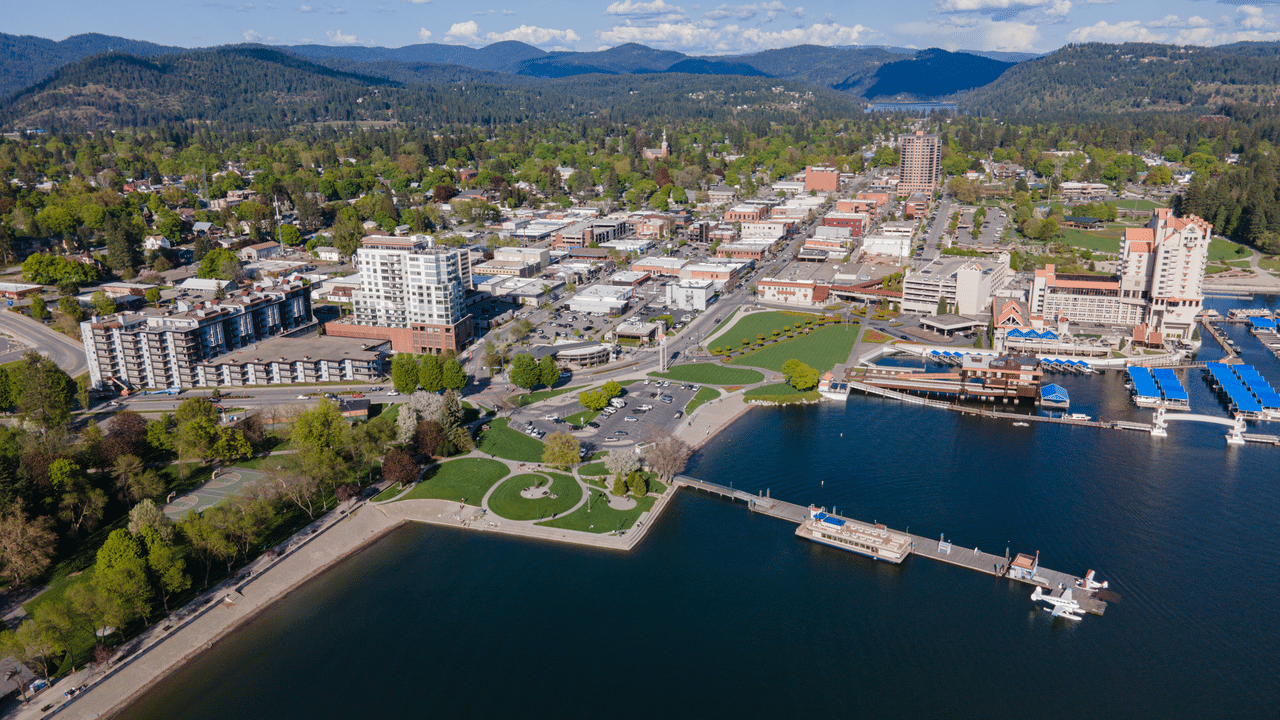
(695, 28)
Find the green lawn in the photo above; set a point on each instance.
(781, 393)
(506, 500)
(389, 493)
(1091, 241)
(463, 480)
(710, 374)
(533, 397)
(760, 323)
(504, 442)
(1220, 250)
(1136, 204)
(1270, 263)
(592, 469)
(601, 518)
(581, 418)
(821, 349)
(705, 395)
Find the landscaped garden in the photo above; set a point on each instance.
(752, 325)
(875, 336)
(462, 480)
(1223, 250)
(539, 396)
(823, 349)
(781, 393)
(710, 374)
(598, 517)
(535, 496)
(506, 442)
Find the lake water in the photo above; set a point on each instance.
(722, 613)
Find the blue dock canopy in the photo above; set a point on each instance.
(1054, 393)
(1143, 384)
(1236, 391)
(1170, 385)
(1257, 386)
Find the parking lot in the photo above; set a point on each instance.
(625, 426)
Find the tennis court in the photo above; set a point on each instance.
(226, 483)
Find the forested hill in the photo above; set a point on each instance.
(933, 73)
(263, 87)
(1102, 78)
(26, 60)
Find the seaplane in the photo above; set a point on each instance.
(1063, 605)
(1088, 583)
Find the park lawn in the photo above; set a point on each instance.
(600, 518)
(1103, 242)
(761, 323)
(1271, 263)
(505, 442)
(1222, 250)
(782, 394)
(875, 336)
(710, 374)
(507, 503)
(1238, 263)
(821, 349)
(539, 396)
(705, 395)
(391, 491)
(462, 480)
(1139, 204)
(595, 468)
(581, 418)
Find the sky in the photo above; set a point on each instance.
(693, 28)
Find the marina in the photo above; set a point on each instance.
(876, 541)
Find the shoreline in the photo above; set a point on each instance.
(235, 602)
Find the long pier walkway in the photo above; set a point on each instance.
(941, 550)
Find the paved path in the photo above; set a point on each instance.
(67, 353)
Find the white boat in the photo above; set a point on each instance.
(1078, 416)
(1022, 424)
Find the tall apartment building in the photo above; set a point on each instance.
(921, 162)
(1160, 281)
(166, 347)
(411, 293)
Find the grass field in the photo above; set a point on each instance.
(1270, 263)
(601, 518)
(505, 442)
(463, 480)
(711, 374)
(780, 393)
(582, 417)
(1220, 250)
(1107, 241)
(1136, 204)
(539, 396)
(821, 349)
(506, 500)
(760, 323)
(705, 395)
(391, 491)
(593, 469)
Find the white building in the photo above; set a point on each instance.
(328, 253)
(155, 242)
(691, 294)
(608, 299)
(967, 283)
(888, 245)
(1163, 264)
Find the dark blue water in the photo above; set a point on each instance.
(721, 613)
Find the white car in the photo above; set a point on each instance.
(392, 393)
(302, 397)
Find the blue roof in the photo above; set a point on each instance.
(829, 519)
(1170, 385)
(1143, 384)
(1257, 386)
(1054, 393)
(1266, 323)
(1235, 390)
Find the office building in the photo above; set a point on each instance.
(921, 161)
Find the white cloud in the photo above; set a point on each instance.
(424, 34)
(1173, 21)
(656, 10)
(733, 38)
(468, 30)
(771, 11)
(1123, 31)
(535, 35)
(306, 9)
(419, 2)
(337, 38)
(1251, 23)
(335, 10)
(956, 32)
(252, 36)
(1253, 18)
(1051, 10)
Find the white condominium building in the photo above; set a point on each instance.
(1163, 265)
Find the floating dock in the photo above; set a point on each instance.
(1023, 569)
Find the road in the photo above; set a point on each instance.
(67, 353)
(259, 397)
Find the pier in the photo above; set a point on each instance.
(942, 550)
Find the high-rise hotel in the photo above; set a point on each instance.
(920, 158)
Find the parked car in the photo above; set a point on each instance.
(300, 397)
(593, 425)
(392, 393)
(611, 439)
(630, 418)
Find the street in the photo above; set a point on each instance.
(67, 353)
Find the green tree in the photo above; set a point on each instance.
(103, 303)
(39, 309)
(611, 390)
(231, 445)
(153, 296)
(799, 375)
(549, 371)
(290, 235)
(430, 373)
(220, 264)
(70, 308)
(316, 436)
(942, 305)
(524, 371)
(27, 543)
(455, 376)
(638, 484)
(161, 434)
(593, 400)
(207, 540)
(404, 373)
(561, 450)
(167, 564)
(44, 394)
